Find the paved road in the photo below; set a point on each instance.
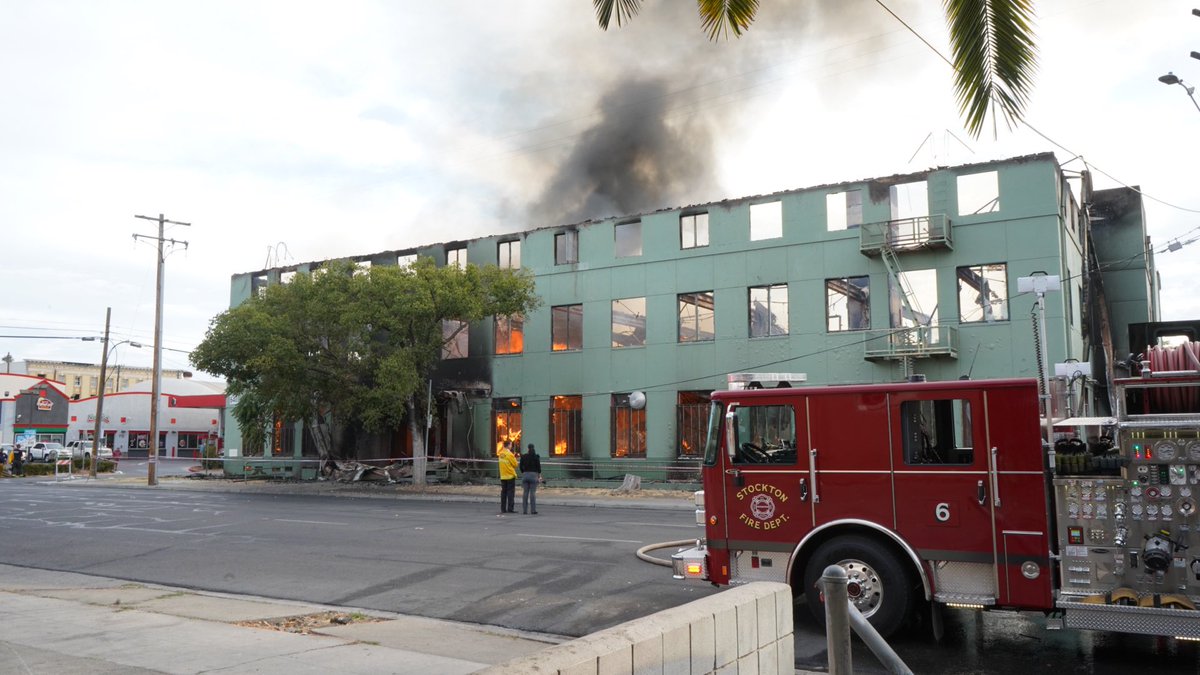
(567, 571)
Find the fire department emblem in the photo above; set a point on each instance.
(762, 507)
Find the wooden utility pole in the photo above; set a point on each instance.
(96, 442)
(156, 389)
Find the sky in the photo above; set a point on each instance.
(287, 132)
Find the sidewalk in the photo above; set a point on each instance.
(59, 622)
(648, 498)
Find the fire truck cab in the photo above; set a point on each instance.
(945, 492)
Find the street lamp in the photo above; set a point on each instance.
(1172, 78)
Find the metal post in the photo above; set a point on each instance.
(834, 584)
(100, 395)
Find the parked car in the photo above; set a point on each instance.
(45, 451)
(83, 449)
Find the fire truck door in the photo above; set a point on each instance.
(944, 487)
(848, 456)
(766, 487)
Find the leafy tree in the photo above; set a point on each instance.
(341, 350)
(994, 52)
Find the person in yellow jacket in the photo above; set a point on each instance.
(508, 478)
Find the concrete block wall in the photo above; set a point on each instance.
(746, 629)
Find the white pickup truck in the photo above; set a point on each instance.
(84, 449)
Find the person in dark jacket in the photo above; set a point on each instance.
(531, 475)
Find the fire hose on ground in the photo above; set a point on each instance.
(643, 555)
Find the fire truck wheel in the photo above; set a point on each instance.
(881, 586)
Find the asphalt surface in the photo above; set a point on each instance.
(566, 571)
(979, 643)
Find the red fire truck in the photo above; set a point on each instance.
(953, 493)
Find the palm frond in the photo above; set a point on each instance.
(720, 16)
(994, 56)
(624, 10)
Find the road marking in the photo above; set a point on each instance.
(307, 522)
(552, 536)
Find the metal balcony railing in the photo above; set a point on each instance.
(906, 234)
(917, 342)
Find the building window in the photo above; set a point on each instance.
(286, 277)
(843, 210)
(506, 422)
(628, 238)
(696, 317)
(95, 381)
(937, 432)
(364, 266)
(510, 334)
(566, 426)
(693, 230)
(566, 248)
(766, 221)
(566, 328)
(766, 434)
(768, 310)
(913, 300)
(847, 304)
(508, 255)
(628, 428)
(978, 193)
(983, 293)
(457, 257)
(258, 284)
(691, 422)
(909, 200)
(454, 339)
(629, 322)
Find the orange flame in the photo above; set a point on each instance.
(560, 448)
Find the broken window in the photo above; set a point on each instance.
(696, 317)
(983, 293)
(508, 255)
(506, 422)
(768, 310)
(693, 230)
(364, 267)
(766, 221)
(258, 284)
(457, 257)
(406, 260)
(628, 239)
(909, 200)
(566, 328)
(566, 248)
(847, 304)
(454, 339)
(510, 334)
(691, 422)
(629, 322)
(628, 428)
(566, 425)
(286, 277)
(913, 300)
(978, 193)
(843, 210)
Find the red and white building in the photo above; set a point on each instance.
(191, 416)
